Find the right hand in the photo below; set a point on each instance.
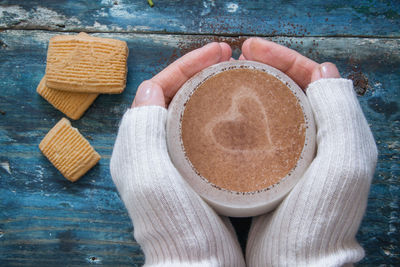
(298, 67)
(316, 223)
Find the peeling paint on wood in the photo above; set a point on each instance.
(253, 17)
(6, 166)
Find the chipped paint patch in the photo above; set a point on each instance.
(122, 15)
(393, 145)
(103, 28)
(40, 172)
(232, 7)
(101, 13)
(6, 166)
(122, 10)
(41, 16)
(207, 6)
(94, 259)
(99, 26)
(140, 28)
(128, 12)
(19, 39)
(11, 14)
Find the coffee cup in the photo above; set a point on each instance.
(242, 134)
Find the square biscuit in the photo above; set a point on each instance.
(71, 104)
(68, 150)
(86, 64)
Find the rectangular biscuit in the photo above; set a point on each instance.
(68, 150)
(71, 104)
(86, 64)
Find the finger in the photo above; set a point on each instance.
(175, 75)
(325, 70)
(226, 51)
(149, 94)
(241, 57)
(295, 65)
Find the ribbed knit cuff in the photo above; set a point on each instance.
(317, 222)
(334, 103)
(145, 122)
(338, 115)
(173, 225)
(142, 129)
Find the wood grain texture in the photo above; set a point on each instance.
(47, 221)
(255, 17)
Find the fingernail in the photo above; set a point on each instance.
(209, 44)
(328, 70)
(143, 95)
(149, 94)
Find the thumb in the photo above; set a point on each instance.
(324, 70)
(149, 94)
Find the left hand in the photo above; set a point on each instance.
(173, 225)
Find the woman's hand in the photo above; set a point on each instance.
(317, 222)
(173, 225)
(298, 67)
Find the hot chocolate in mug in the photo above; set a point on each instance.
(242, 134)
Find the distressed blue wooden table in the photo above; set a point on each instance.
(47, 221)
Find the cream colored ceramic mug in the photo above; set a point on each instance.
(242, 134)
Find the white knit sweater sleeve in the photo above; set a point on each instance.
(317, 222)
(173, 225)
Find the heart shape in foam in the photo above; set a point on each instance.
(243, 127)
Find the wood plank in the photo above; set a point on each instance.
(253, 17)
(45, 220)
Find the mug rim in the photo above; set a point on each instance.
(225, 201)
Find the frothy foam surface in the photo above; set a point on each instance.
(243, 130)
